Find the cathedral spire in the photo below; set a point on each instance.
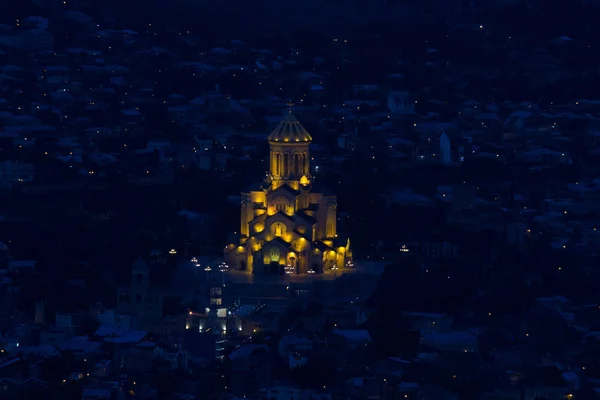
(289, 130)
(290, 152)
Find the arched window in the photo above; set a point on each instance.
(278, 229)
(286, 164)
(294, 162)
(274, 254)
(281, 204)
(306, 169)
(302, 164)
(297, 164)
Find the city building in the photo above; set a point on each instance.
(140, 298)
(288, 222)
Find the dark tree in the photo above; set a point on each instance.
(319, 371)
(392, 335)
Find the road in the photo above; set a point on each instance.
(243, 277)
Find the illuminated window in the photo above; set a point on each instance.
(277, 164)
(274, 254)
(281, 204)
(286, 164)
(278, 229)
(259, 227)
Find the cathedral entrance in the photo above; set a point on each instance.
(273, 259)
(274, 268)
(292, 263)
(329, 258)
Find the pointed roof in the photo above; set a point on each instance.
(282, 214)
(280, 242)
(286, 188)
(290, 130)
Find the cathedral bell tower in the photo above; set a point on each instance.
(289, 153)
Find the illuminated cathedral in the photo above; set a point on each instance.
(288, 225)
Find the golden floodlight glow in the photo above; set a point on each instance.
(288, 225)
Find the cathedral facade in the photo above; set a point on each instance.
(288, 224)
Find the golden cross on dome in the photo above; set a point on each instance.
(290, 105)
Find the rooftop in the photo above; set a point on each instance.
(290, 130)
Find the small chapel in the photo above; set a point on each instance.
(288, 223)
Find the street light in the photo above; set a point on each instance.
(223, 267)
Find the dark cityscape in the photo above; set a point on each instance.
(328, 200)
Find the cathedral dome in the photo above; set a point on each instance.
(289, 130)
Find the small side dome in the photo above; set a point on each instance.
(289, 130)
(304, 181)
